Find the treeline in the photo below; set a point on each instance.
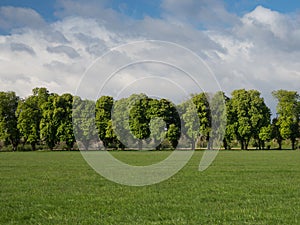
(52, 120)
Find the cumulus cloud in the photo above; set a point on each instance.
(201, 13)
(257, 50)
(69, 51)
(15, 17)
(20, 47)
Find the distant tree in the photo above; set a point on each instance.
(103, 118)
(49, 123)
(8, 119)
(173, 135)
(204, 114)
(29, 116)
(249, 115)
(139, 120)
(84, 122)
(63, 119)
(191, 128)
(288, 113)
(275, 132)
(111, 138)
(218, 119)
(157, 124)
(265, 134)
(260, 116)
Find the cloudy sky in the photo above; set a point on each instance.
(245, 44)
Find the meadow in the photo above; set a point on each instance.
(240, 187)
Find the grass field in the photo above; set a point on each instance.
(253, 187)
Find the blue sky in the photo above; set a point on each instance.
(247, 44)
(138, 9)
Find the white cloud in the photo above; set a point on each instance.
(259, 50)
(201, 13)
(15, 17)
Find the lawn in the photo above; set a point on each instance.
(242, 187)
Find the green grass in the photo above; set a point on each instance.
(243, 187)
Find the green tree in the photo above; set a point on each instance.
(103, 118)
(204, 114)
(190, 120)
(249, 115)
(218, 119)
(49, 123)
(8, 119)
(139, 120)
(288, 114)
(63, 119)
(173, 135)
(29, 116)
(260, 116)
(84, 123)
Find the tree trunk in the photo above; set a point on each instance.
(242, 145)
(225, 144)
(293, 144)
(140, 144)
(193, 144)
(279, 141)
(33, 146)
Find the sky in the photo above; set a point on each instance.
(240, 44)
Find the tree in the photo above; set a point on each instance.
(249, 114)
(63, 119)
(139, 120)
(260, 116)
(8, 119)
(49, 123)
(204, 114)
(84, 126)
(218, 119)
(190, 119)
(288, 114)
(157, 123)
(265, 134)
(29, 116)
(103, 118)
(173, 135)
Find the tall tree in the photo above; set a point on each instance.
(204, 114)
(84, 123)
(139, 120)
(29, 116)
(173, 135)
(103, 118)
(249, 115)
(8, 119)
(63, 119)
(49, 123)
(260, 116)
(218, 119)
(288, 114)
(191, 128)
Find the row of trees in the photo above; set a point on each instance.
(138, 121)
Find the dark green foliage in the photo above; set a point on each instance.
(248, 114)
(8, 120)
(63, 118)
(103, 119)
(49, 118)
(288, 112)
(84, 123)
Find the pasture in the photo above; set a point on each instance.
(240, 187)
